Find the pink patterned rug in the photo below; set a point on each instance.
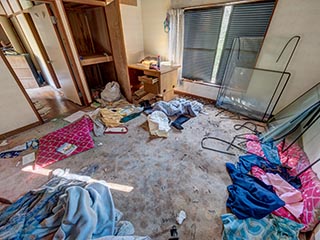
(77, 133)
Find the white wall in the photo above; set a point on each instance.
(131, 17)
(15, 110)
(294, 17)
(154, 13)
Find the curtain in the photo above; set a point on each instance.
(176, 32)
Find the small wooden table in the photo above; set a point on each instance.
(167, 79)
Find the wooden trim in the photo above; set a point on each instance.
(179, 92)
(19, 130)
(114, 22)
(95, 59)
(129, 2)
(226, 3)
(42, 50)
(71, 49)
(21, 87)
(101, 3)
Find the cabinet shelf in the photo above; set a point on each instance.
(95, 59)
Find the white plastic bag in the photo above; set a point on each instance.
(158, 124)
(111, 92)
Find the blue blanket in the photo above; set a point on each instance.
(69, 208)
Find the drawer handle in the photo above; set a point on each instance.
(173, 86)
(164, 90)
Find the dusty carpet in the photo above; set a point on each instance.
(151, 179)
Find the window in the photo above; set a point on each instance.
(209, 35)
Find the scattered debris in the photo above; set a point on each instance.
(4, 143)
(89, 170)
(195, 189)
(179, 121)
(195, 201)
(181, 217)
(100, 144)
(111, 92)
(116, 130)
(29, 158)
(193, 231)
(158, 124)
(16, 151)
(173, 233)
(75, 116)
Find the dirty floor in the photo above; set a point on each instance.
(151, 179)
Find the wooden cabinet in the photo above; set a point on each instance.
(163, 87)
(96, 46)
(90, 35)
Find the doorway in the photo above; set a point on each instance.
(42, 66)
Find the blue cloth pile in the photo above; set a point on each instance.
(64, 208)
(249, 196)
(252, 202)
(179, 107)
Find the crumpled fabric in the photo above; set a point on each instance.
(69, 208)
(271, 227)
(158, 124)
(246, 162)
(270, 151)
(16, 151)
(179, 106)
(291, 196)
(249, 196)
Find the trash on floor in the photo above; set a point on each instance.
(181, 217)
(179, 121)
(4, 143)
(111, 92)
(111, 117)
(174, 233)
(116, 130)
(158, 124)
(16, 151)
(29, 158)
(75, 116)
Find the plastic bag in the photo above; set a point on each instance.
(158, 124)
(111, 92)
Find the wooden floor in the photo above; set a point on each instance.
(51, 103)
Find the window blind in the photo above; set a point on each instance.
(201, 35)
(246, 20)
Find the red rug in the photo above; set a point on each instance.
(77, 133)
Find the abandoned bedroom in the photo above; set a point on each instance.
(160, 119)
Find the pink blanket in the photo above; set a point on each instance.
(77, 133)
(295, 158)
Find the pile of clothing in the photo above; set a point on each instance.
(179, 110)
(69, 206)
(253, 200)
(278, 199)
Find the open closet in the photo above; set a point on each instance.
(91, 37)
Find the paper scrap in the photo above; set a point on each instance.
(75, 116)
(29, 158)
